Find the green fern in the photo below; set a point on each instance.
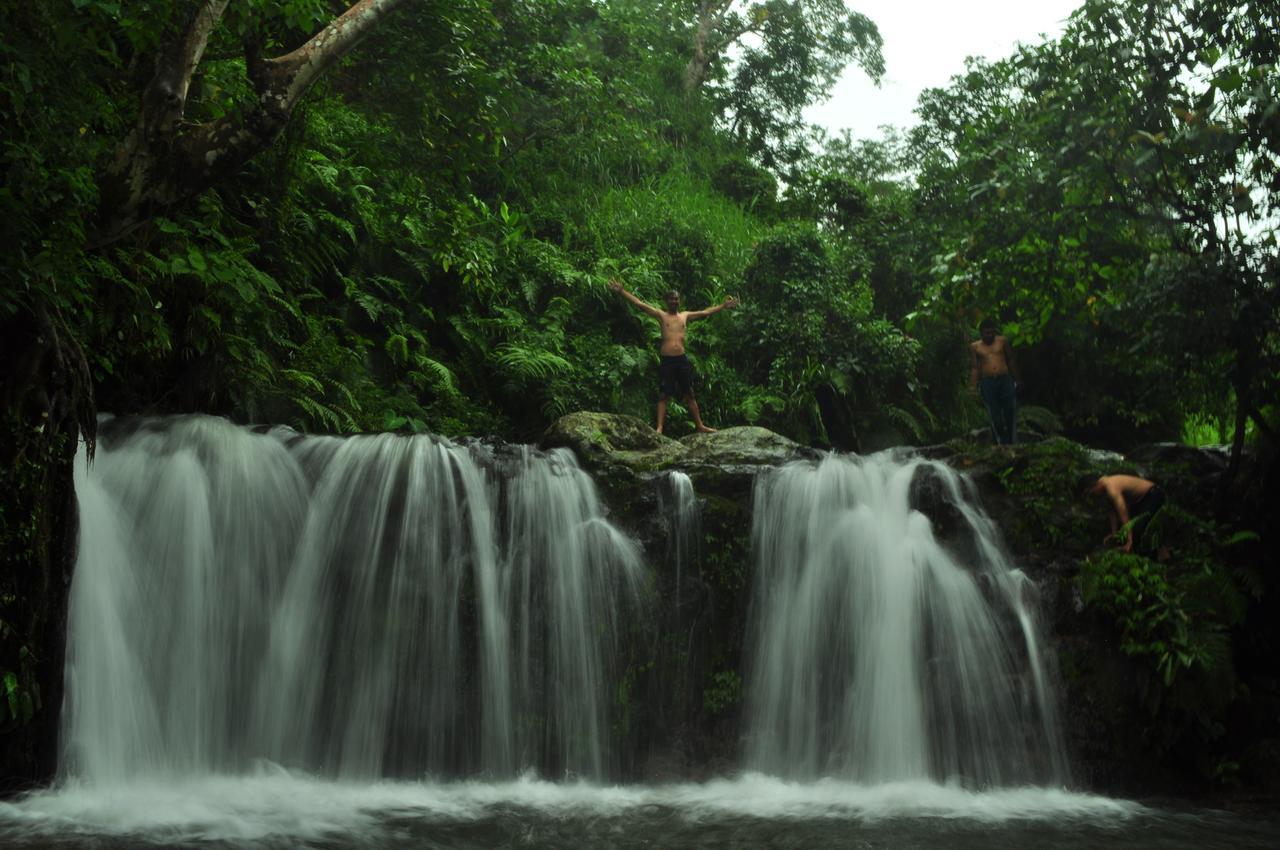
(434, 375)
(754, 404)
(317, 412)
(303, 380)
(914, 428)
(530, 363)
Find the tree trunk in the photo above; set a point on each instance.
(709, 39)
(165, 161)
(696, 70)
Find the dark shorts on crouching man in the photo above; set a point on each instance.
(1143, 510)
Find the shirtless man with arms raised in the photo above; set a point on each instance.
(994, 373)
(1131, 498)
(675, 375)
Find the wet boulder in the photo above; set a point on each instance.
(745, 445)
(608, 440)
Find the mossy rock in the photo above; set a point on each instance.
(745, 445)
(607, 440)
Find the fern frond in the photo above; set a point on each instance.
(436, 375)
(755, 403)
(555, 406)
(317, 412)
(304, 380)
(908, 422)
(527, 362)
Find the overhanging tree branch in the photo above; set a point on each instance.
(711, 19)
(165, 161)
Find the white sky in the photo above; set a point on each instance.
(925, 44)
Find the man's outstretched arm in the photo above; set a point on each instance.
(616, 286)
(702, 314)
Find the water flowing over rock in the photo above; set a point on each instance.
(360, 607)
(267, 627)
(877, 655)
(386, 605)
(680, 505)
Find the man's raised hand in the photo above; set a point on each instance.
(731, 301)
(615, 284)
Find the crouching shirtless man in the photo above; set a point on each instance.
(1132, 499)
(675, 375)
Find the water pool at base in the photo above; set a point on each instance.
(276, 809)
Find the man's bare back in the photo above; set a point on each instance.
(1122, 492)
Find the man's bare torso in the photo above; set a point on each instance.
(674, 327)
(991, 358)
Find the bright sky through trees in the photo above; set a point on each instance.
(925, 44)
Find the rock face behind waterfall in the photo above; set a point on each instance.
(1213, 721)
(688, 710)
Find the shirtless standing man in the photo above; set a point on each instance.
(995, 374)
(1131, 498)
(675, 375)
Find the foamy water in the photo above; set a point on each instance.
(274, 804)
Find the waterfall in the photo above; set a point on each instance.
(881, 654)
(361, 607)
(680, 509)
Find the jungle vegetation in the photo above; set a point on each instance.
(419, 236)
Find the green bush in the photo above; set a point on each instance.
(1175, 618)
(748, 184)
(824, 366)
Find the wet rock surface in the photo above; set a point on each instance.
(608, 441)
(1029, 491)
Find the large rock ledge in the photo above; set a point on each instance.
(606, 441)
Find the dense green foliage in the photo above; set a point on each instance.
(1175, 617)
(1111, 197)
(426, 244)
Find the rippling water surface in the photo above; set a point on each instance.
(276, 809)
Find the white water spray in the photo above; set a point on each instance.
(880, 656)
(680, 509)
(354, 607)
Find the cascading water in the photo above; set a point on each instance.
(264, 627)
(361, 607)
(880, 656)
(680, 508)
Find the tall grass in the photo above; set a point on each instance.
(686, 201)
